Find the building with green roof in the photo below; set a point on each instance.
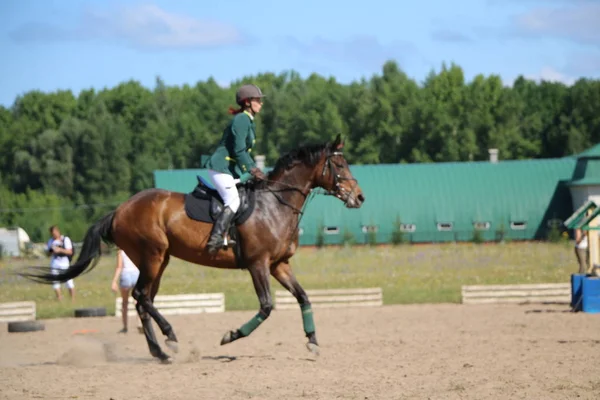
(441, 202)
(585, 182)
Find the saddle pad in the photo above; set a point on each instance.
(198, 209)
(204, 206)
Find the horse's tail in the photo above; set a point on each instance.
(88, 258)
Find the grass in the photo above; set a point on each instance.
(407, 274)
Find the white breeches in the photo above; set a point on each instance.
(225, 185)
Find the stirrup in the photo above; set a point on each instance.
(227, 241)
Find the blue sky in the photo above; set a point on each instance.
(70, 44)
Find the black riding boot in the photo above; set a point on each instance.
(215, 242)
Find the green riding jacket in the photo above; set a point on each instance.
(232, 155)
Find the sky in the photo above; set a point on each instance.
(81, 44)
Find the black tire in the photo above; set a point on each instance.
(90, 312)
(25, 326)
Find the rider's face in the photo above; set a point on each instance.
(256, 105)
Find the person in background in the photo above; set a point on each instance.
(60, 248)
(581, 250)
(126, 276)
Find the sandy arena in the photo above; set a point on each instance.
(394, 352)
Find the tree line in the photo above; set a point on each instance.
(69, 158)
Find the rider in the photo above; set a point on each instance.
(231, 162)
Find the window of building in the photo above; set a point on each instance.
(444, 226)
(481, 226)
(408, 227)
(331, 230)
(518, 225)
(370, 228)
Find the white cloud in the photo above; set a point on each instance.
(145, 26)
(578, 22)
(550, 74)
(224, 84)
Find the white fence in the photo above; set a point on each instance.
(527, 293)
(17, 311)
(332, 298)
(179, 304)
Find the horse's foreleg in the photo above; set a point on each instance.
(140, 294)
(144, 293)
(284, 275)
(164, 325)
(260, 278)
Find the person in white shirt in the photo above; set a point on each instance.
(60, 248)
(581, 250)
(125, 278)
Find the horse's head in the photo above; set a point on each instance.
(321, 166)
(333, 174)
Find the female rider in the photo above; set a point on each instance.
(231, 162)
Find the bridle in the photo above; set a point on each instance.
(337, 191)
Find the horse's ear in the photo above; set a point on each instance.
(338, 143)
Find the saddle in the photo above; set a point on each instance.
(204, 204)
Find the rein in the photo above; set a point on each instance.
(280, 199)
(298, 212)
(337, 190)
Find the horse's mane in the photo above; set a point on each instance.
(308, 154)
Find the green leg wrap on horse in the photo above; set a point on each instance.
(307, 318)
(251, 325)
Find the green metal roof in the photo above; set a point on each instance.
(527, 192)
(592, 181)
(587, 170)
(592, 152)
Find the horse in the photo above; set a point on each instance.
(152, 226)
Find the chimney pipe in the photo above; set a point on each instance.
(493, 155)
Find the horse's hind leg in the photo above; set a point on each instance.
(284, 275)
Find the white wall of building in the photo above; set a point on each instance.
(581, 194)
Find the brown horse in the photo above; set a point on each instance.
(152, 226)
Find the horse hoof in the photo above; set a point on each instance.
(313, 348)
(229, 337)
(226, 338)
(166, 360)
(173, 345)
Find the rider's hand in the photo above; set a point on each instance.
(258, 174)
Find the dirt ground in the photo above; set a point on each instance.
(393, 352)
